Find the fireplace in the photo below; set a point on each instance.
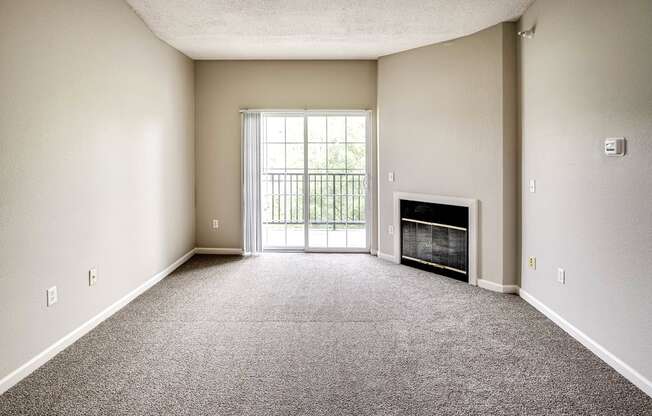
(434, 237)
(436, 234)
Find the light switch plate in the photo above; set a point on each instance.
(390, 176)
(561, 276)
(216, 224)
(390, 230)
(52, 296)
(533, 185)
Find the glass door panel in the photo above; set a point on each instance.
(282, 178)
(337, 181)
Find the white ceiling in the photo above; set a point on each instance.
(316, 29)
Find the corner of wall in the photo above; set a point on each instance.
(511, 258)
(519, 158)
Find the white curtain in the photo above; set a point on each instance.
(251, 156)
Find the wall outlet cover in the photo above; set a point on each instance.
(532, 263)
(216, 224)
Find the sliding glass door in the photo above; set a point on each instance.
(337, 179)
(315, 181)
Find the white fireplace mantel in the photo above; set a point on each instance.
(471, 204)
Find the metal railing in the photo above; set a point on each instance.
(335, 198)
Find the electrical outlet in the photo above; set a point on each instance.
(216, 224)
(92, 276)
(390, 230)
(561, 276)
(52, 296)
(532, 263)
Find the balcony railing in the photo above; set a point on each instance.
(335, 198)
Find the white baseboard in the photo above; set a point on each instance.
(497, 287)
(385, 256)
(222, 251)
(44, 356)
(616, 363)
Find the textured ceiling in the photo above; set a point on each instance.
(316, 29)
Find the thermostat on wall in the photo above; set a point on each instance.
(614, 146)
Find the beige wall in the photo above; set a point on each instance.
(96, 164)
(222, 88)
(447, 127)
(586, 76)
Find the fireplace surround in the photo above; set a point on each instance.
(437, 233)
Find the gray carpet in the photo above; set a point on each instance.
(323, 334)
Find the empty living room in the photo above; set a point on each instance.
(303, 207)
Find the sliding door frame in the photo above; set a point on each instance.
(369, 178)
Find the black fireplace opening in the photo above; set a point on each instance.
(434, 237)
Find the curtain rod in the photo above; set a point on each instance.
(301, 110)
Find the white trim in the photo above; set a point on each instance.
(352, 250)
(471, 204)
(306, 186)
(387, 257)
(302, 110)
(608, 357)
(497, 287)
(220, 251)
(376, 206)
(369, 177)
(44, 356)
